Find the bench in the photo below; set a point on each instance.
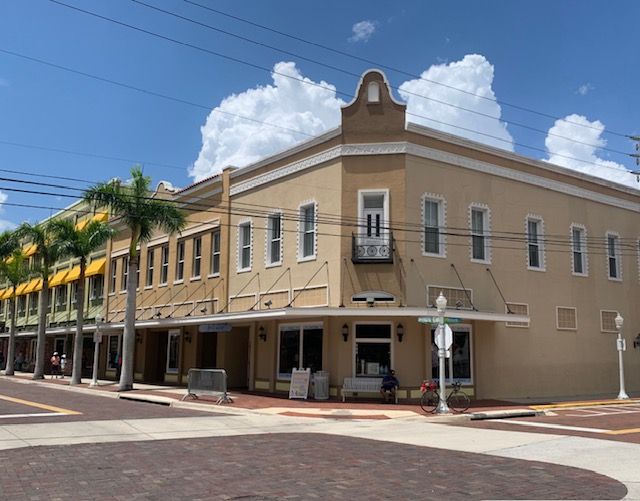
(355, 385)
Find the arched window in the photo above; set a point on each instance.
(373, 92)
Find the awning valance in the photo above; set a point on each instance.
(31, 286)
(72, 276)
(82, 224)
(101, 217)
(20, 290)
(6, 293)
(58, 278)
(96, 267)
(30, 250)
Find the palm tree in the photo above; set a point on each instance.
(15, 271)
(80, 244)
(47, 253)
(141, 214)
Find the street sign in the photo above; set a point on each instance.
(97, 336)
(621, 344)
(214, 328)
(434, 320)
(444, 340)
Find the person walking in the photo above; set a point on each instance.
(55, 365)
(63, 364)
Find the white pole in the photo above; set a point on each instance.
(96, 352)
(622, 395)
(441, 304)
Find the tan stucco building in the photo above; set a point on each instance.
(328, 254)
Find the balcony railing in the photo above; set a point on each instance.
(366, 249)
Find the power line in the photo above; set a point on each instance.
(307, 82)
(394, 69)
(350, 73)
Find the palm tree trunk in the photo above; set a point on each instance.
(38, 372)
(11, 358)
(76, 373)
(129, 335)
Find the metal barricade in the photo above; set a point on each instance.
(208, 382)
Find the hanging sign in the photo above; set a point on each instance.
(300, 383)
(214, 328)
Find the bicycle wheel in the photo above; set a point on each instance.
(458, 401)
(429, 401)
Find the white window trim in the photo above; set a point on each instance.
(151, 252)
(301, 326)
(124, 273)
(373, 92)
(193, 258)
(558, 318)
(517, 325)
(618, 256)
(113, 276)
(541, 249)
(267, 241)
(213, 274)
(172, 334)
(390, 341)
(442, 222)
(585, 255)
(300, 242)
(484, 208)
(180, 280)
(241, 223)
(601, 321)
(162, 264)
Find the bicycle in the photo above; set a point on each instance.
(457, 400)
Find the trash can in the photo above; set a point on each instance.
(321, 385)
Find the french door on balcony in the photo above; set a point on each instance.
(373, 237)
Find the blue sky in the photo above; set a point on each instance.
(574, 58)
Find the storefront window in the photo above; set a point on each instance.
(460, 361)
(299, 343)
(173, 352)
(113, 352)
(373, 350)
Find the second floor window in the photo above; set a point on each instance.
(61, 298)
(96, 285)
(479, 230)
(274, 239)
(22, 306)
(197, 257)
(164, 269)
(180, 261)
(74, 295)
(33, 303)
(114, 273)
(149, 281)
(578, 249)
(49, 300)
(307, 231)
(433, 224)
(534, 244)
(215, 252)
(613, 256)
(244, 246)
(125, 273)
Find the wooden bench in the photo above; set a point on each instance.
(355, 385)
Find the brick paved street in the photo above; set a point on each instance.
(302, 466)
(90, 407)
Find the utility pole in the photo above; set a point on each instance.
(636, 155)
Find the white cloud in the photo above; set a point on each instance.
(363, 31)
(584, 89)
(229, 140)
(4, 224)
(473, 74)
(583, 157)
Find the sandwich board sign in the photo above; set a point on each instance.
(300, 379)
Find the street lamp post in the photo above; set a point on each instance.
(97, 338)
(441, 305)
(621, 345)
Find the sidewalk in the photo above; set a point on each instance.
(245, 401)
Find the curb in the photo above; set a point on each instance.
(505, 414)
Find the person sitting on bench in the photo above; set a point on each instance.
(389, 385)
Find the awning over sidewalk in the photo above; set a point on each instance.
(72, 275)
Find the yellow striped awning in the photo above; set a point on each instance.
(58, 278)
(2, 293)
(101, 217)
(20, 289)
(6, 294)
(72, 276)
(29, 250)
(82, 224)
(31, 286)
(96, 267)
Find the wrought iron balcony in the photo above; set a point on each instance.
(369, 249)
